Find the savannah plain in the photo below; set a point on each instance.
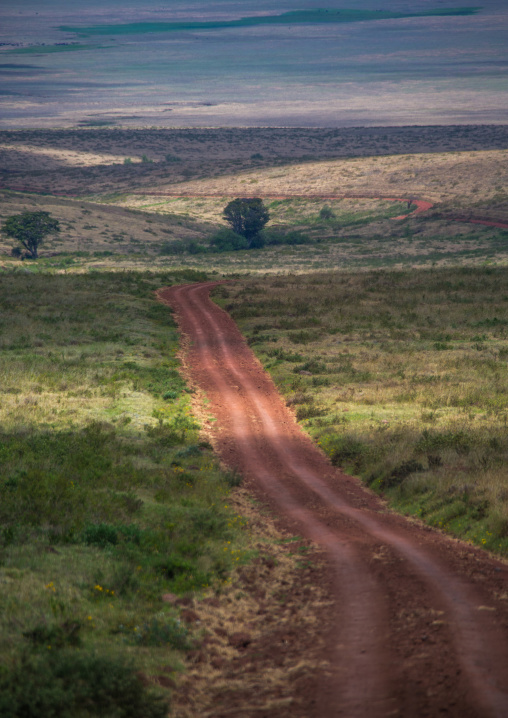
(126, 545)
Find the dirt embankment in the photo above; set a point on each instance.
(420, 625)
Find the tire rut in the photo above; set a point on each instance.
(409, 638)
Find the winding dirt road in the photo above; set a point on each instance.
(421, 621)
(422, 205)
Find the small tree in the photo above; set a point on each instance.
(30, 228)
(326, 212)
(247, 217)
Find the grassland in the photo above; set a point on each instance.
(449, 162)
(110, 498)
(151, 233)
(401, 377)
(388, 337)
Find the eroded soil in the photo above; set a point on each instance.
(418, 624)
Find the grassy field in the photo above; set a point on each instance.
(109, 497)
(155, 234)
(442, 164)
(401, 377)
(388, 338)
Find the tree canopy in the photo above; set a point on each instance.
(30, 228)
(247, 217)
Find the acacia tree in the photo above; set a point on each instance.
(247, 216)
(30, 228)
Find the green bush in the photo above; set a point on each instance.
(274, 237)
(400, 472)
(168, 632)
(56, 636)
(430, 440)
(347, 449)
(313, 365)
(180, 246)
(101, 535)
(326, 212)
(225, 240)
(68, 683)
(284, 355)
(308, 411)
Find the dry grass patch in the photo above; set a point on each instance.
(404, 159)
(261, 635)
(90, 228)
(452, 178)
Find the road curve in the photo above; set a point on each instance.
(421, 204)
(421, 621)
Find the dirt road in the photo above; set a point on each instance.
(420, 204)
(421, 621)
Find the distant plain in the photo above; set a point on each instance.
(182, 65)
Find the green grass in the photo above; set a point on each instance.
(404, 381)
(108, 497)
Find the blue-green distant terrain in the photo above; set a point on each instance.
(289, 63)
(287, 18)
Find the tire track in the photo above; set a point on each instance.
(362, 669)
(258, 435)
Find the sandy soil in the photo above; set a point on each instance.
(420, 621)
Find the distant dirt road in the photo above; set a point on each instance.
(421, 621)
(421, 204)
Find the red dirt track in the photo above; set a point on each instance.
(420, 625)
(421, 204)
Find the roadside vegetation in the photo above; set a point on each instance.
(400, 376)
(109, 499)
(387, 337)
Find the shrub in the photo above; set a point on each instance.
(57, 636)
(348, 449)
(326, 212)
(170, 632)
(313, 365)
(430, 440)
(168, 248)
(275, 237)
(101, 535)
(308, 411)
(234, 478)
(226, 240)
(401, 472)
(68, 683)
(285, 355)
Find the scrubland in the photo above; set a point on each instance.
(109, 497)
(387, 336)
(113, 506)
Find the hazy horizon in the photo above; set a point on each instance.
(396, 71)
